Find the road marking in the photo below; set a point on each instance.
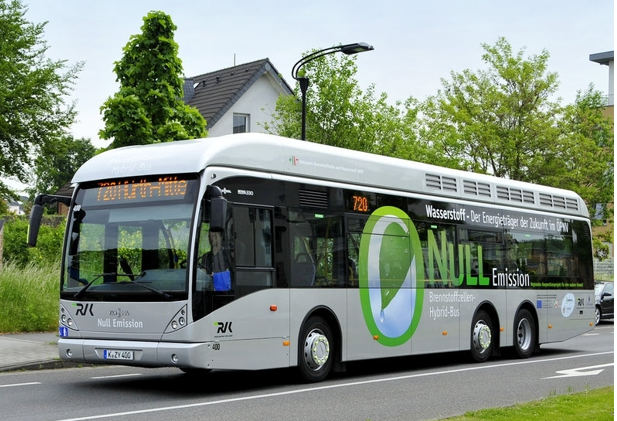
(578, 372)
(118, 375)
(19, 384)
(333, 386)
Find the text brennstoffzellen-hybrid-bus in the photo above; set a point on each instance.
(254, 251)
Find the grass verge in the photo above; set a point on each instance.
(590, 405)
(28, 298)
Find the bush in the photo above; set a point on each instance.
(49, 245)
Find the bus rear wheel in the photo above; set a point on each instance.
(316, 350)
(481, 337)
(524, 334)
(598, 315)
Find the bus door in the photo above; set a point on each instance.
(442, 316)
(528, 249)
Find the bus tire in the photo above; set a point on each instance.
(481, 337)
(316, 350)
(524, 334)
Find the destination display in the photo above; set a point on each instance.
(131, 190)
(360, 203)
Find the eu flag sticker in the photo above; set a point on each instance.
(64, 332)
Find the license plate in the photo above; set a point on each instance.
(115, 354)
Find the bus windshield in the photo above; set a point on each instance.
(129, 240)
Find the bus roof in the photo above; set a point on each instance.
(280, 155)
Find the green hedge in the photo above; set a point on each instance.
(49, 246)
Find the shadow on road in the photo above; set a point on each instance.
(171, 383)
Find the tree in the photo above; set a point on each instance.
(55, 167)
(33, 111)
(587, 153)
(149, 108)
(498, 121)
(501, 121)
(339, 114)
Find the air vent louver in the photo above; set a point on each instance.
(484, 189)
(433, 181)
(528, 197)
(438, 182)
(571, 203)
(516, 195)
(470, 187)
(559, 202)
(546, 200)
(313, 199)
(503, 193)
(449, 183)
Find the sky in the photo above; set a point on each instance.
(417, 42)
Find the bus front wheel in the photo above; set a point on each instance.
(316, 350)
(524, 334)
(481, 337)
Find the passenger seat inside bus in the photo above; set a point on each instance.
(303, 271)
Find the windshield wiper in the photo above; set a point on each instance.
(149, 288)
(81, 292)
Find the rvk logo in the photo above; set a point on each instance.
(294, 160)
(84, 309)
(223, 327)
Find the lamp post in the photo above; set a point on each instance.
(348, 49)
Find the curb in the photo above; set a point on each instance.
(44, 365)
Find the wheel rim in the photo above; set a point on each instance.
(523, 334)
(598, 315)
(316, 350)
(481, 337)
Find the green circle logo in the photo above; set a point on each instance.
(391, 274)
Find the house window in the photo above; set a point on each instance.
(241, 123)
(600, 213)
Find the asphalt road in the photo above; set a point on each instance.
(407, 389)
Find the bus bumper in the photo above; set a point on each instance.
(136, 353)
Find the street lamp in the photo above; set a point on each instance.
(348, 49)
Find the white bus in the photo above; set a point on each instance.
(253, 251)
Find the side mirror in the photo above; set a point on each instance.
(218, 213)
(36, 214)
(34, 223)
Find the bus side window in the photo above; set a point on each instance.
(529, 251)
(317, 255)
(559, 259)
(493, 251)
(301, 250)
(331, 251)
(355, 225)
(252, 248)
(253, 236)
